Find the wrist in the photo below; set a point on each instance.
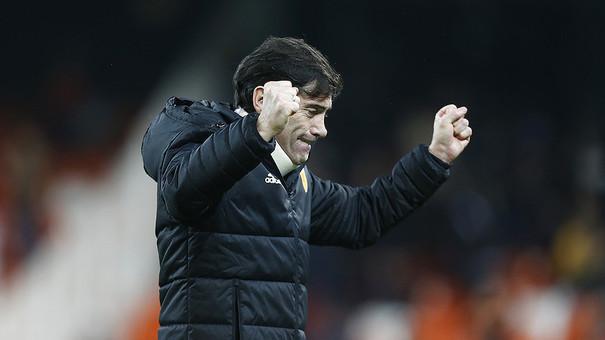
(440, 152)
(264, 131)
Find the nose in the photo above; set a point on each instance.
(318, 126)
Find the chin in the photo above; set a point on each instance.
(301, 160)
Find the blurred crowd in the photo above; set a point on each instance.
(69, 129)
(70, 96)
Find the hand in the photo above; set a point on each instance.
(277, 100)
(451, 133)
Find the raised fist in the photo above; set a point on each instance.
(451, 133)
(275, 101)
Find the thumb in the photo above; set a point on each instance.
(442, 111)
(465, 142)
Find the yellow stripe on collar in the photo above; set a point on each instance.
(303, 179)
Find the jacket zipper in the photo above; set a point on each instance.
(236, 312)
(216, 126)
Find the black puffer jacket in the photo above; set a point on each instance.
(233, 235)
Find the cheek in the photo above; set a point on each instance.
(300, 125)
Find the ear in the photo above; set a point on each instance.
(257, 98)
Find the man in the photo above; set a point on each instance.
(237, 207)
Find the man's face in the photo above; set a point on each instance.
(304, 127)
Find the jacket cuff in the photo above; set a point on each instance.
(253, 139)
(436, 160)
(427, 172)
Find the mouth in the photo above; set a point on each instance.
(307, 141)
(305, 144)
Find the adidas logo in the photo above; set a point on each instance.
(270, 179)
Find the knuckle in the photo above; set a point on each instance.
(283, 83)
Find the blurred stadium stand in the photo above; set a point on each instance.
(513, 246)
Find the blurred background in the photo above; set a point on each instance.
(511, 247)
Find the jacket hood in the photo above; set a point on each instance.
(179, 117)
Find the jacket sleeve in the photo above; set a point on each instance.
(200, 165)
(355, 217)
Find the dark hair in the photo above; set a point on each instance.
(285, 59)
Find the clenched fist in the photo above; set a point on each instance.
(275, 101)
(451, 133)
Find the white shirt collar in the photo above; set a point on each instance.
(281, 159)
(240, 111)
